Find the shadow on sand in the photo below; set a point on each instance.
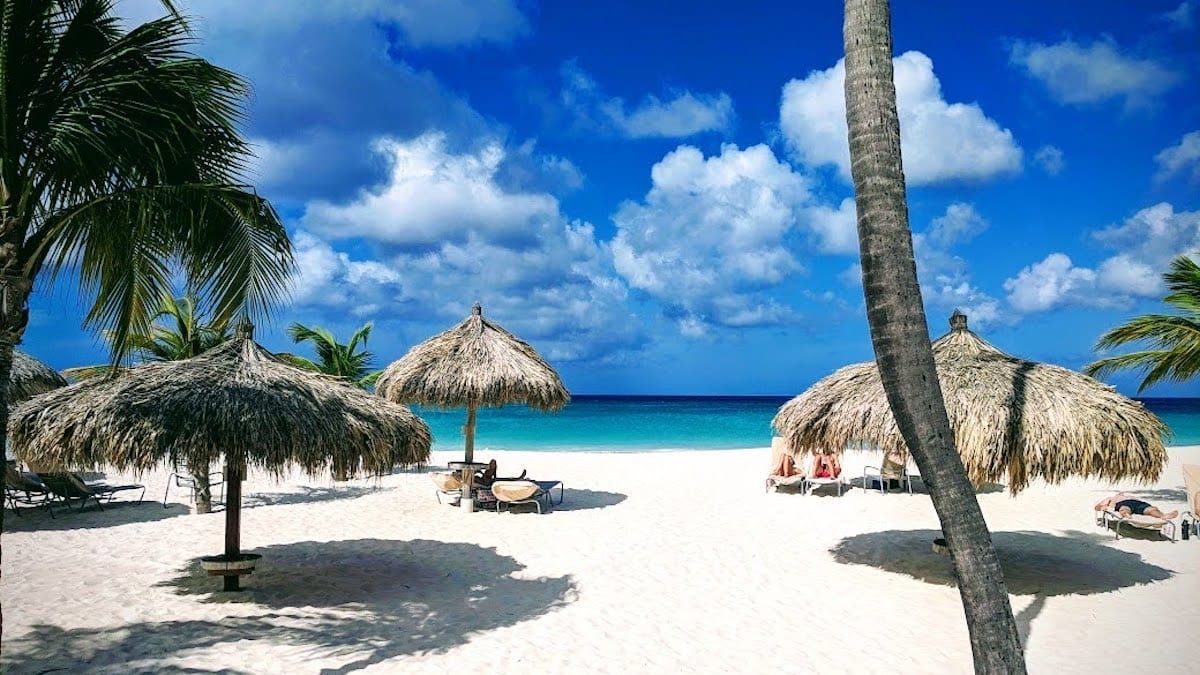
(586, 500)
(114, 514)
(1034, 563)
(359, 602)
(1154, 496)
(306, 495)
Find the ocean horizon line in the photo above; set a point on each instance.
(591, 396)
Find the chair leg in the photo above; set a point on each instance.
(166, 492)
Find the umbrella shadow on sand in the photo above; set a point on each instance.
(361, 602)
(115, 513)
(1034, 563)
(306, 495)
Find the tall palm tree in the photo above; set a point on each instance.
(120, 166)
(334, 358)
(900, 334)
(1173, 339)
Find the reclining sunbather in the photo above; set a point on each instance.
(1126, 505)
(488, 476)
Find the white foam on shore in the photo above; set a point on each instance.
(660, 562)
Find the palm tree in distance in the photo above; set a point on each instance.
(181, 331)
(1173, 340)
(350, 360)
(900, 334)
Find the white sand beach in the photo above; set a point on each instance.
(656, 562)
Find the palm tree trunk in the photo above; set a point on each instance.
(900, 334)
(14, 316)
(202, 493)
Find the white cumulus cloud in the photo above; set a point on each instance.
(431, 196)
(1181, 158)
(940, 141)
(441, 232)
(1144, 245)
(680, 114)
(1076, 73)
(711, 234)
(1050, 283)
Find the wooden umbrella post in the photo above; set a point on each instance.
(233, 522)
(468, 477)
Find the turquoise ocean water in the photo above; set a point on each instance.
(638, 423)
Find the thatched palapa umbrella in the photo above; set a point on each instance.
(235, 400)
(1013, 419)
(475, 364)
(31, 377)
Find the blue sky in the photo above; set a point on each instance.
(656, 199)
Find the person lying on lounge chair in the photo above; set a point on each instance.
(1126, 505)
(825, 465)
(488, 476)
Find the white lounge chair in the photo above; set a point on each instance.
(811, 484)
(1165, 527)
(188, 481)
(890, 471)
(1191, 483)
(523, 491)
(448, 484)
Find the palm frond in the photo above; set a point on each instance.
(1173, 341)
(122, 160)
(298, 361)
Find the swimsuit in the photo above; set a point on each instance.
(1136, 506)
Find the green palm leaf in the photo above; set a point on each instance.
(1172, 341)
(348, 360)
(121, 167)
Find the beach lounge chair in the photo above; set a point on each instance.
(448, 484)
(183, 479)
(1143, 522)
(884, 475)
(783, 471)
(25, 488)
(1191, 483)
(70, 487)
(811, 484)
(526, 492)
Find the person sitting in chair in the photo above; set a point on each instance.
(825, 465)
(487, 476)
(1126, 505)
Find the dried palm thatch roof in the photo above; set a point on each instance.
(475, 363)
(235, 400)
(31, 377)
(1014, 420)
